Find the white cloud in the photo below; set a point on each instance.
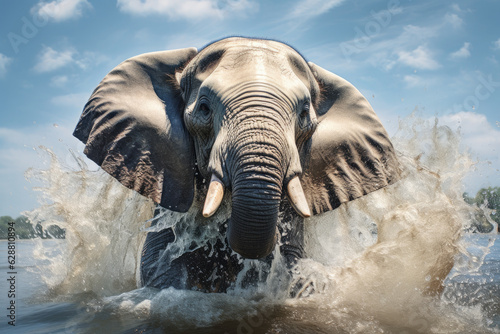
(76, 100)
(426, 81)
(4, 61)
(496, 44)
(456, 7)
(477, 133)
(59, 81)
(396, 44)
(420, 58)
(383, 50)
(413, 81)
(454, 20)
(187, 9)
(61, 10)
(89, 59)
(50, 59)
(482, 140)
(464, 52)
(310, 8)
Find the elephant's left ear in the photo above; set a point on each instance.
(132, 126)
(350, 154)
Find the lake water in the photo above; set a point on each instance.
(380, 264)
(470, 303)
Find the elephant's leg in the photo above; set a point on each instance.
(152, 270)
(212, 268)
(156, 270)
(292, 235)
(292, 249)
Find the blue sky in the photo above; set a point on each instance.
(439, 57)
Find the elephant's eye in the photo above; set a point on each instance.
(204, 109)
(305, 110)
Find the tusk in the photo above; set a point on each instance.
(297, 197)
(214, 196)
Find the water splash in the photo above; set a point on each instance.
(397, 275)
(102, 222)
(377, 264)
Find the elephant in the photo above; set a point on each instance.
(249, 117)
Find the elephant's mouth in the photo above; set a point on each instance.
(267, 237)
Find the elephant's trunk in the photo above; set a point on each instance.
(252, 228)
(260, 158)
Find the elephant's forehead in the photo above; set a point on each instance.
(248, 44)
(233, 63)
(247, 73)
(255, 62)
(255, 56)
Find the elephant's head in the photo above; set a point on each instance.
(250, 115)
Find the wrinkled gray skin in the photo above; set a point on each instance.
(251, 112)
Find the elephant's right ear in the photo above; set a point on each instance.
(132, 126)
